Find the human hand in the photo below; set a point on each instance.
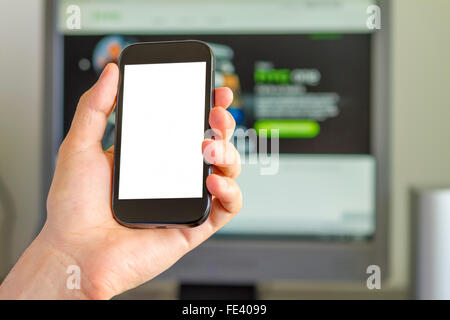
(80, 228)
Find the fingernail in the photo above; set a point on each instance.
(104, 70)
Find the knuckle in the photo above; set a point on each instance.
(63, 147)
(236, 168)
(239, 200)
(83, 98)
(232, 120)
(237, 171)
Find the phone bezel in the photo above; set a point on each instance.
(162, 213)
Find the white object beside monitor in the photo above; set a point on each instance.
(433, 244)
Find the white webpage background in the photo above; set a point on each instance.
(310, 195)
(162, 131)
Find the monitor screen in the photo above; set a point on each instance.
(306, 75)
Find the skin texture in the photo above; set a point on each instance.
(80, 229)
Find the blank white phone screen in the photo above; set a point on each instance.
(163, 127)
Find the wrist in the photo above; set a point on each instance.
(43, 272)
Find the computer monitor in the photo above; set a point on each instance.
(316, 206)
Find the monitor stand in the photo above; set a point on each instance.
(216, 292)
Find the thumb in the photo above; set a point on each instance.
(95, 105)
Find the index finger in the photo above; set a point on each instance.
(222, 123)
(223, 97)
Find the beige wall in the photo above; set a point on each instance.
(21, 68)
(420, 113)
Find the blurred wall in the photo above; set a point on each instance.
(420, 115)
(21, 54)
(420, 112)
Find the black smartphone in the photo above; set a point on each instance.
(164, 97)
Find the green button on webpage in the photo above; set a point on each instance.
(289, 128)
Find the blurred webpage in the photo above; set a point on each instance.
(303, 67)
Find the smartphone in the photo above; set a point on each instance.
(164, 97)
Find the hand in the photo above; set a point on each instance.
(80, 228)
